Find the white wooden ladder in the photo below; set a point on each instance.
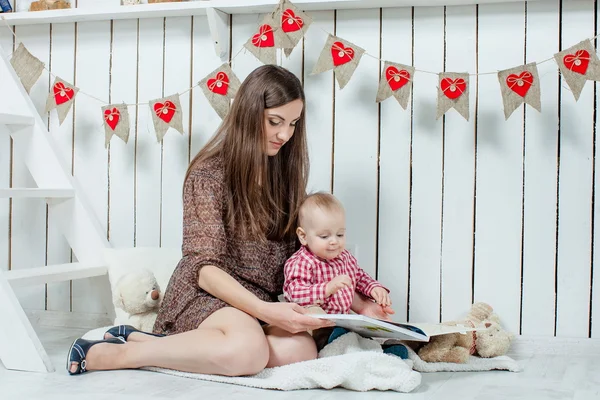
(20, 347)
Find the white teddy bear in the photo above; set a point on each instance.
(139, 295)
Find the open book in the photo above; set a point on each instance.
(371, 327)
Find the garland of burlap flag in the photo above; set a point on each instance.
(283, 28)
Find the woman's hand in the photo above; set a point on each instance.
(290, 317)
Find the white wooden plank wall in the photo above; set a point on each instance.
(444, 212)
(458, 169)
(499, 166)
(576, 146)
(540, 166)
(395, 160)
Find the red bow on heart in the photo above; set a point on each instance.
(396, 79)
(264, 37)
(290, 22)
(219, 84)
(165, 111)
(340, 54)
(577, 62)
(111, 117)
(453, 88)
(521, 83)
(62, 93)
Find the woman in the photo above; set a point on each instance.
(241, 196)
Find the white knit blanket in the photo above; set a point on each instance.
(351, 362)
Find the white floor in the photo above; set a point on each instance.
(550, 372)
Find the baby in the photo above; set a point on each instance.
(324, 275)
(323, 272)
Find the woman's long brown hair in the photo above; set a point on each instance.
(263, 193)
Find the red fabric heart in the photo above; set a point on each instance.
(341, 55)
(290, 22)
(396, 79)
(453, 88)
(521, 83)
(220, 84)
(577, 62)
(165, 111)
(264, 37)
(62, 93)
(112, 117)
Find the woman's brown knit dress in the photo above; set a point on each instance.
(207, 241)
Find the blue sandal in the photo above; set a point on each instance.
(123, 332)
(79, 350)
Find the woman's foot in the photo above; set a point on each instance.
(77, 357)
(123, 331)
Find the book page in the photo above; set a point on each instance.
(440, 329)
(370, 327)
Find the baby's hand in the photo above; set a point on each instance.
(337, 283)
(374, 310)
(381, 296)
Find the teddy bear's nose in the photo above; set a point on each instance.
(154, 295)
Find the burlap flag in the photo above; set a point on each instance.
(341, 56)
(27, 67)
(61, 97)
(267, 40)
(219, 87)
(293, 22)
(577, 65)
(116, 122)
(453, 92)
(166, 112)
(520, 85)
(396, 80)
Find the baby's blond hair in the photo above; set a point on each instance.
(323, 200)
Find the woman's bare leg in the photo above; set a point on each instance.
(287, 348)
(284, 348)
(229, 342)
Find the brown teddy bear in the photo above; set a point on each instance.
(457, 347)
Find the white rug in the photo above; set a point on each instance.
(351, 362)
(473, 365)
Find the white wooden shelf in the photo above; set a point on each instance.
(199, 7)
(15, 119)
(37, 193)
(263, 6)
(156, 10)
(53, 273)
